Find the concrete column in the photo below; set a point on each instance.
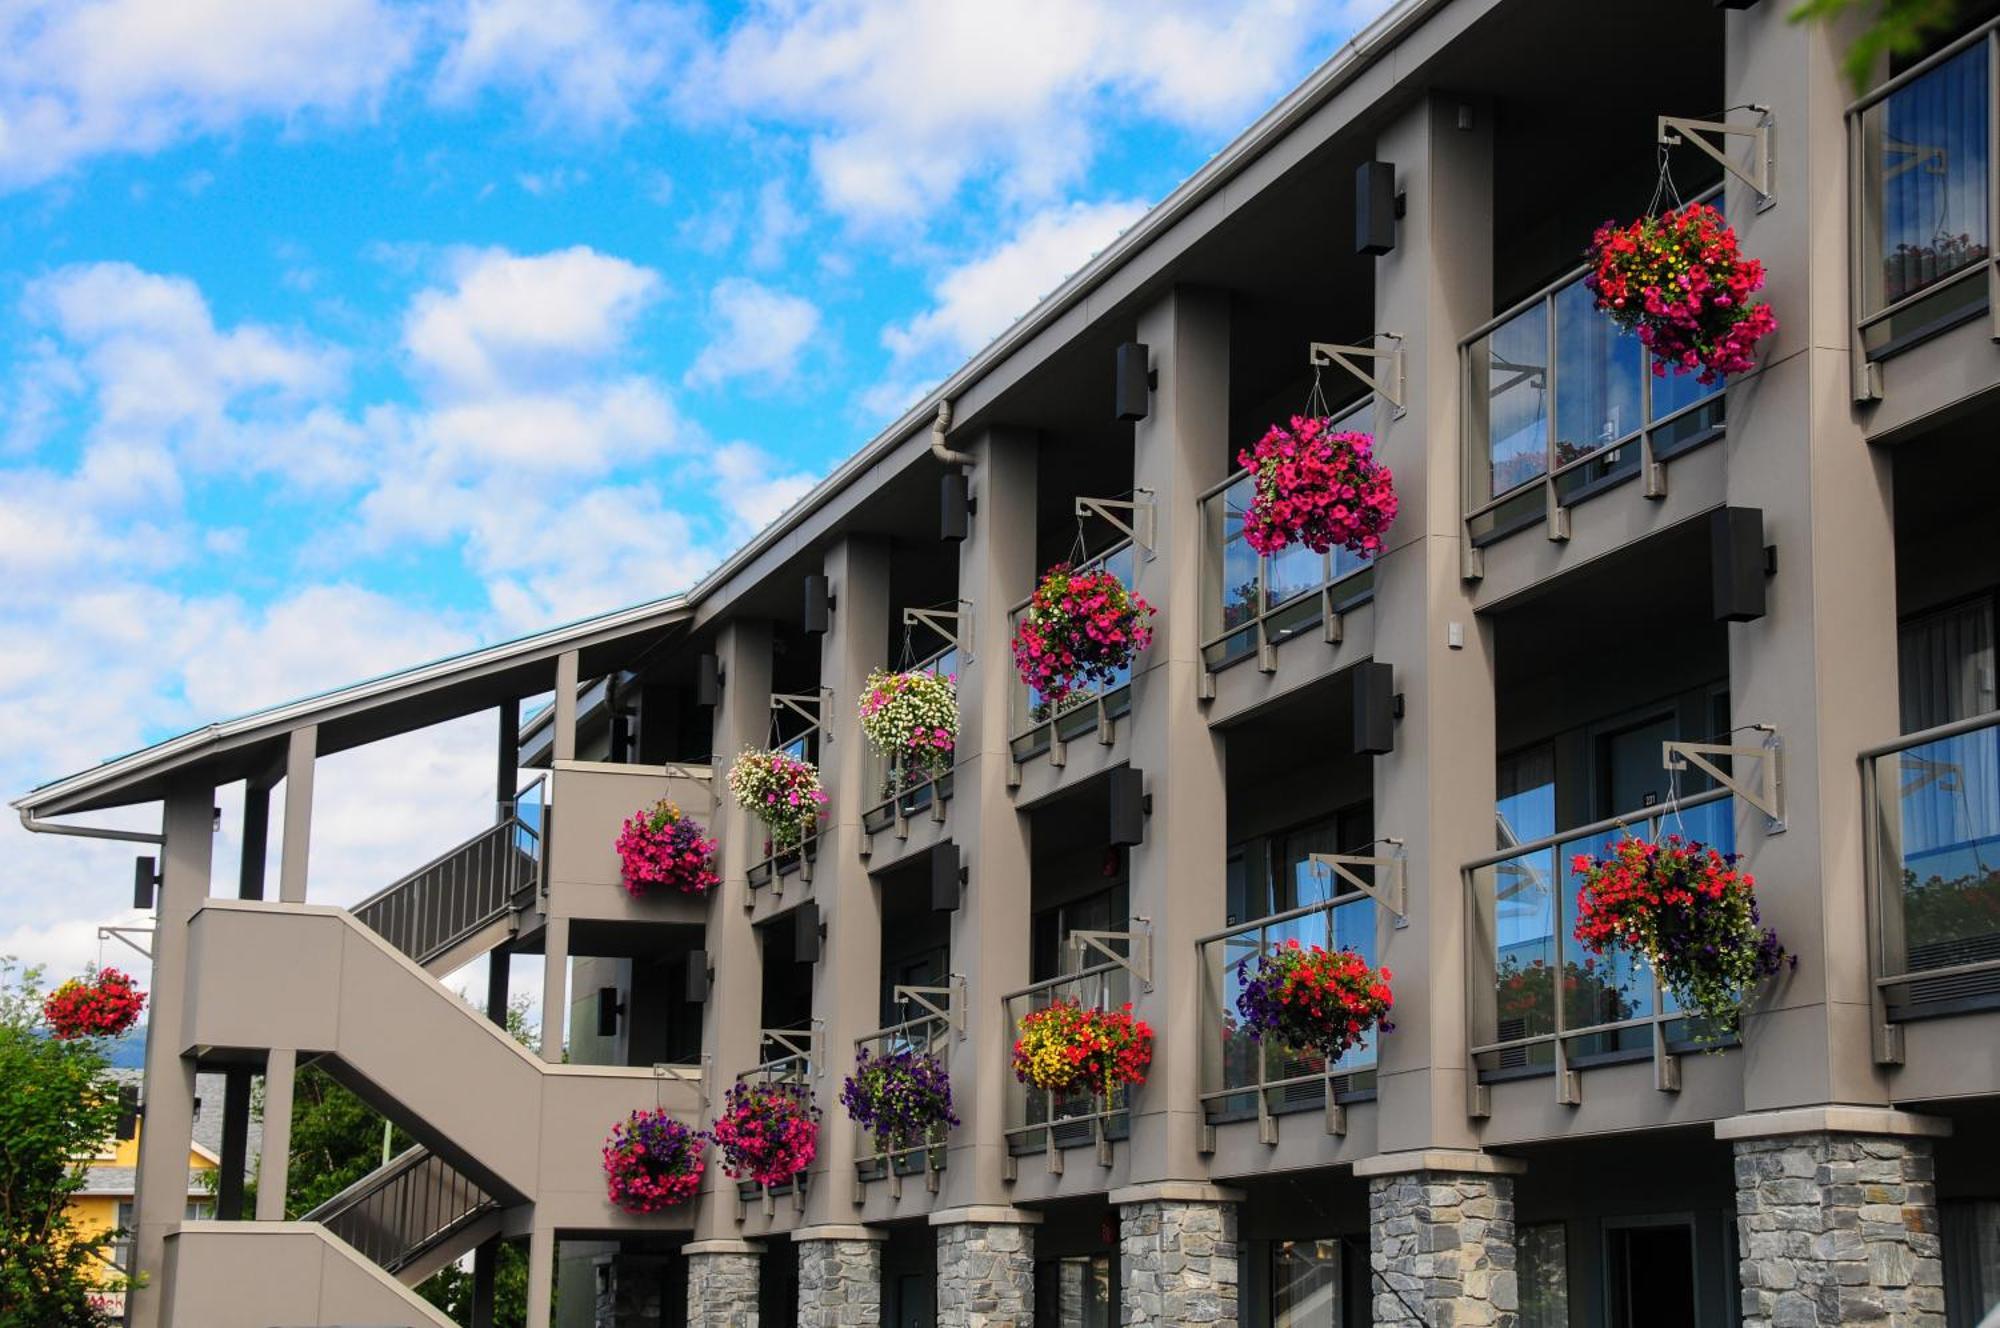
(722, 1283)
(563, 739)
(256, 839)
(1837, 1227)
(989, 933)
(555, 987)
(499, 968)
(507, 763)
(985, 1267)
(485, 1263)
(541, 1275)
(730, 1019)
(840, 1272)
(275, 1160)
(1178, 874)
(300, 754)
(1435, 791)
(235, 1143)
(1177, 1255)
(189, 833)
(1821, 664)
(1441, 1238)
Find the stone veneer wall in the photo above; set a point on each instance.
(985, 1275)
(1838, 1229)
(840, 1283)
(722, 1291)
(1445, 1242)
(1178, 1262)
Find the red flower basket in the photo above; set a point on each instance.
(768, 1133)
(1309, 996)
(665, 849)
(1081, 626)
(1316, 487)
(1680, 281)
(100, 1004)
(1069, 1044)
(652, 1162)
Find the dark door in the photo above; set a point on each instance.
(1649, 1276)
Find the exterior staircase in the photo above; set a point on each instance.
(411, 1217)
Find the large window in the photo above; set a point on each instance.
(1542, 1257)
(1305, 1284)
(1971, 1261)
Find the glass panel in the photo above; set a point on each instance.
(1239, 1050)
(1305, 1284)
(1598, 376)
(1600, 989)
(1524, 940)
(1526, 809)
(1677, 391)
(1239, 561)
(1544, 1282)
(1948, 829)
(1515, 362)
(1925, 194)
(1293, 571)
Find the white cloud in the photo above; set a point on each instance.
(779, 222)
(83, 77)
(575, 62)
(758, 332)
(755, 486)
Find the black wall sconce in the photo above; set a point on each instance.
(1740, 561)
(954, 505)
(145, 882)
(707, 680)
(609, 1007)
(1126, 788)
(819, 605)
(1136, 381)
(807, 933)
(947, 878)
(1377, 707)
(1376, 207)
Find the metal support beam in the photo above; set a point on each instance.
(507, 772)
(1138, 956)
(1143, 526)
(1762, 175)
(1389, 386)
(1767, 794)
(947, 1002)
(124, 935)
(1389, 888)
(953, 625)
(256, 840)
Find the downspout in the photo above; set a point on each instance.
(939, 427)
(87, 832)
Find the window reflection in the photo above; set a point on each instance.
(1926, 205)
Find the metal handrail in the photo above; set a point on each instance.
(936, 1030)
(457, 893)
(398, 1211)
(1957, 728)
(1618, 822)
(1943, 55)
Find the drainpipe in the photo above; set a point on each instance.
(87, 831)
(939, 426)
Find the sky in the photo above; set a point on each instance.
(337, 335)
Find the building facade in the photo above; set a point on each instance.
(1759, 614)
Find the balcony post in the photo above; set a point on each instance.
(1180, 450)
(846, 987)
(541, 1275)
(555, 987)
(989, 932)
(1435, 790)
(168, 1133)
(300, 752)
(563, 736)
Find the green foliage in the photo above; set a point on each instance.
(1897, 27)
(450, 1289)
(56, 1107)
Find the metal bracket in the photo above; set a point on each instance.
(788, 1041)
(1389, 889)
(1762, 174)
(797, 703)
(959, 632)
(1324, 354)
(1137, 960)
(1767, 796)
(952, 1011)
(124, 935)
(1141, 529)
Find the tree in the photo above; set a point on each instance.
(1899, 27)
(57, 1110)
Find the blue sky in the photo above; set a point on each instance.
(338, 334)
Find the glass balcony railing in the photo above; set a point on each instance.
(1559, 404)
(1040, 725)
(928, 1034)
(1923, 198)
(1244, 1078)
(1538, 1001)
(899, 790)
(790, 1057)
(1934, 826)
(1250, 601)
(775, 861)
(1041, 1121)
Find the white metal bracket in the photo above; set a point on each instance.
(1389, 888)
(1389, 385)
(1140, 529)
(1762, 175)
(946, 1003)
(794, 1044)
(953, 625)
(1767, 794)
(1138, 956)
(807, 706)
(124, 935)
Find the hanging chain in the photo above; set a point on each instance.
(1664, 187)
(908, 660)
(1316, 407)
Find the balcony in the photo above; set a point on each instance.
(1253, 602)
(1560, 406)
(1244, 1078)
(1923, 203)
(800, 740)
(1051, 1123)
(1606, 1010)
(902, 790)
(928, 1034)
(1933, 820)
(790, 1061)
(1039, 725)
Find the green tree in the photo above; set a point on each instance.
(57, 1109)
(1896, 27)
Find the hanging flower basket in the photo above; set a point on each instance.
(665, 849)
(1080, 627)
(781, 791)
(767, 1133)
(1685, 909)
(102, 1003)
(652, 1162)
(1069, 1045)
(903, 1098)
(1317, 487)
(1680, 281)
(912, 719)
(1310, 997)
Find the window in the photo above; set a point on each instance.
(1305, 1284)
(1104, 910)
(1945, 665)
(1543, 1258)
(1079, 1292)
(1649, 1274)
(1526, 807)
(1971, 1261)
